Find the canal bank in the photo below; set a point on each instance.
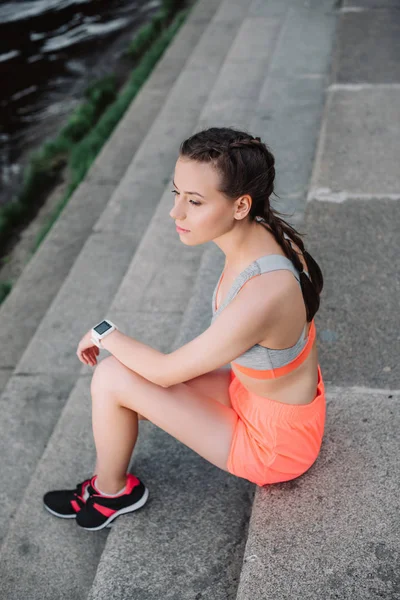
(59, 166)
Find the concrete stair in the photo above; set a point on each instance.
(86, 291)
(334, 532)
(203, 534)
(45, 273)
(50, 434)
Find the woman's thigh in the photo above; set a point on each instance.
(214, 384)
(191, 416)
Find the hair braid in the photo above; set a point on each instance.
(308, 285)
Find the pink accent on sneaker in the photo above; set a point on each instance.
(107, 512)
(131, 482)
(75, 506)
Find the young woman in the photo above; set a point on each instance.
(263, 418)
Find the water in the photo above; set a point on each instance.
(49, 51)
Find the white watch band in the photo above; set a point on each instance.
(96, 337)
(97, 342)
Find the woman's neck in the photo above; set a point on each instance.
(245, 245)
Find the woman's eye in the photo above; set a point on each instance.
(193, 201)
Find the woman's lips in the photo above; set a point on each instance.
(182, 230)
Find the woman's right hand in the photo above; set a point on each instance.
(87, 352)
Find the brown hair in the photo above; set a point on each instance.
(246, 166)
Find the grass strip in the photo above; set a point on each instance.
(88, 128)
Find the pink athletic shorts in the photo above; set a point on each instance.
(272, 441)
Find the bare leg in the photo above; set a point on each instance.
(115, 430)
(194, 418)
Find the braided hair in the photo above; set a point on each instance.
(246, 165)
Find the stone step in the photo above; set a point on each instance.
(189, 540)
(333, 533)
(28, 532)
(138, 313)
(34, 396)
(46, 271)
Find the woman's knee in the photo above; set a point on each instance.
(112, 376)
(107, 373)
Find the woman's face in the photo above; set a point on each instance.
(206, 216)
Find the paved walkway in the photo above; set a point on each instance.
(320, 84)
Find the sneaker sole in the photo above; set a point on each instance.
(66, 516)
(53, 512)
(123, 511)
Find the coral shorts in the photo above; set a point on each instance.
(272, 441)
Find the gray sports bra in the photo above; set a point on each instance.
(260, 357)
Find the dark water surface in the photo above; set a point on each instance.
(50, 50)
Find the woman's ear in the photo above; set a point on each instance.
(243, 206)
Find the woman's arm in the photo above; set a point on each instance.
(143, 359)
(243, 323)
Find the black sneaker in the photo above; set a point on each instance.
(67, 503)
(98, 511)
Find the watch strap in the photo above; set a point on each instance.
(97, 342)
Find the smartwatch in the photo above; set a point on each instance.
(101, 330)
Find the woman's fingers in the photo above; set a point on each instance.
(92, 356)
(89, 355)
(85, 357)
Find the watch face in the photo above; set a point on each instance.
(102, 327)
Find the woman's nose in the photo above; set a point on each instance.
(174, 213)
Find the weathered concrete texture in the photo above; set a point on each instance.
(83, 300)
(229, 526)
(295, 55)
(39, 547)
(272, 8)
(30, 407)
(234, 98)
(117, 154)
(368, 47)
(358, 151)
(231, 11)
(357, 247)
(180, 482)
(213, 47)
(376, 4)
(288, 120)
(195, 321)
(115, 158)
(157, 568)
(291, 102)
(23, 309)
(174, 123)
(157, 328)
(35, 395)
(334, 532)
(51, 263)
(161, 281)
(188, 541)
(153, 570)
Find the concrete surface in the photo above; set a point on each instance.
(205, 534)
(333, 532)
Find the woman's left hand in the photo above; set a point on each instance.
(87, 352)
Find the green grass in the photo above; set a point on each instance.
(89, 127)
(5, 289)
